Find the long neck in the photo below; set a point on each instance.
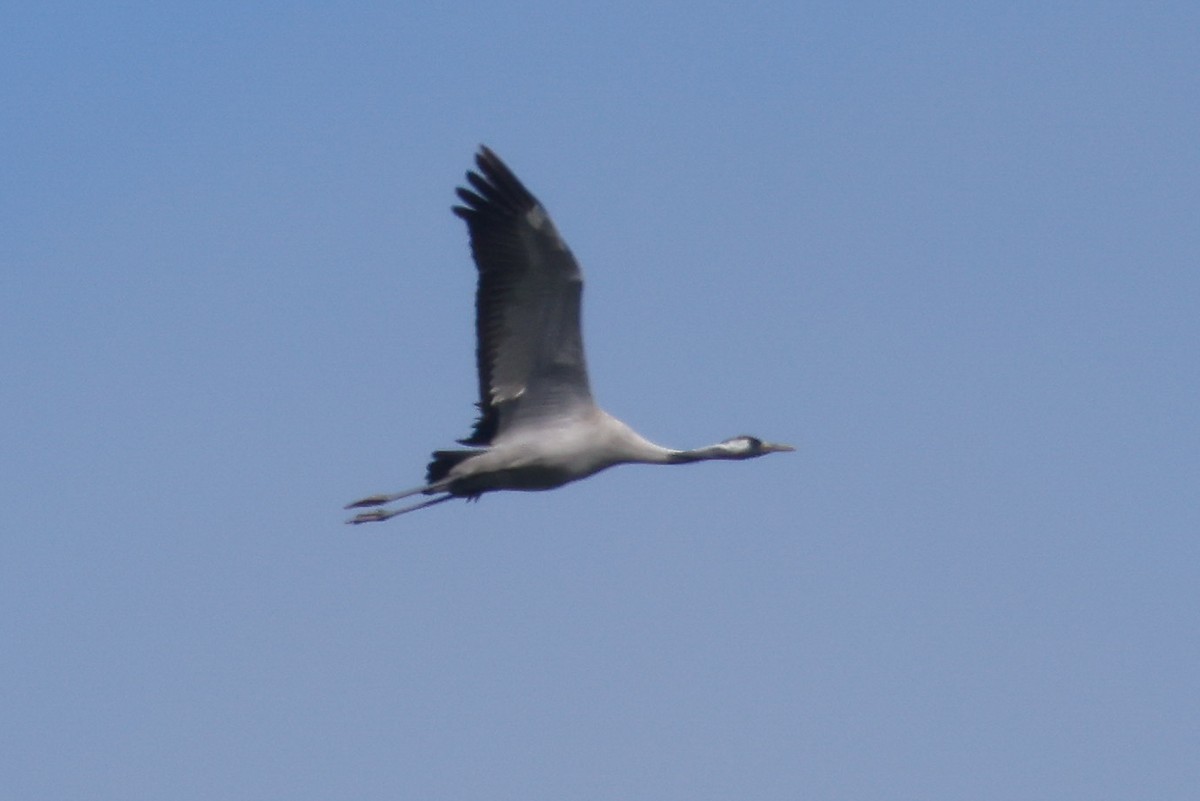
(630, 446)
(718, 451)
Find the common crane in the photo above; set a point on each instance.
(538, 426)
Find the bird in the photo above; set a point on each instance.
(538, 426)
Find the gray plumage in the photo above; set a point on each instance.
(538, 426)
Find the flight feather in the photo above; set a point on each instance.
(529, 351)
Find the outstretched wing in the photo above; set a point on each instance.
(529, 349)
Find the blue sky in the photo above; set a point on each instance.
(948, 250)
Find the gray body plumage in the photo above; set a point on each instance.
(538, 426)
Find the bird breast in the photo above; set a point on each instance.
(554, 455)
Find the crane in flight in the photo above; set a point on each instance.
(538, 426)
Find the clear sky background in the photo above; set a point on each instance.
(949, 250)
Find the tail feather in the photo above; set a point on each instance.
(444, 461)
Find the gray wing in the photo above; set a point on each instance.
(529, 349)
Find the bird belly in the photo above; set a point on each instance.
(524, 467)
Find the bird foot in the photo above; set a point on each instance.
(373, 516)
(372, 500)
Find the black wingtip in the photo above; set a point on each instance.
(494, 170)
(493, 188)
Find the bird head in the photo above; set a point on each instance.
(748, 447)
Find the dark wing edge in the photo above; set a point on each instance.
(489, 212)
(497, 209)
